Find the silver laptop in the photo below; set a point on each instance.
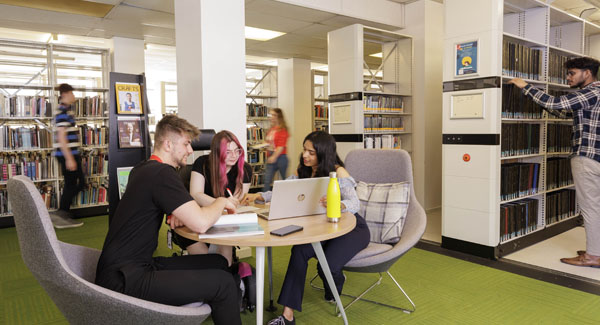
(296, 197)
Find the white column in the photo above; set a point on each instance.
(424, 23)
(293, 97)
(127, 55)
(211, 64)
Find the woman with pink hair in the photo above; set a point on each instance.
(222, 173)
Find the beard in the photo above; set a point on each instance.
(579, 84)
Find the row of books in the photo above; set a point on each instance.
(558, 173)
(559, 137)
(93, 135)
(520, 139)
(560, 205)
(255, 134)
(33, 137)
(381, 103)
(321, 127)
(518, 179)
(258, 179)
(518, 218)
(256, 110)
(25, 106)
(378, 123)
(37, 166)
(46, 190)
(517, 105)
(557, 73)
(320, 111)
(94, 163)
(89, 107)
(92, 193)
(384, 141)
(521, 61)
(256, 156)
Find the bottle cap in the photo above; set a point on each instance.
(332, 175)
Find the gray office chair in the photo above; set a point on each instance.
(67, 271)
(385, 166)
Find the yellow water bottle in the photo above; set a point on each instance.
(334, 205)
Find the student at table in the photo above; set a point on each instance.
(154, 189)
(317, 160)
(214, 176)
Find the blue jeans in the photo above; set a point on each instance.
(281, 164)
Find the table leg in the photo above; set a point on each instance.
(271, 307)
(260, 284)
(323, 262)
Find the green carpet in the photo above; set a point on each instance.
(445, 290)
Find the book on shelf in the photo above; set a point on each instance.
(25, 137)
(320, 111)
(383, 141)
(520, 139)
(256, 110)
(234, 225)
(378, 123)
(556, 67)
(558, 173)
(89, 107)
(35, 165)
(518, 218)
(383, 103)
(258, 179)
(516, 105)
(521, 61)
(255, 134)
(560, 205)
(518, 180)
(93, 135)
(25, 106)
(559, 137)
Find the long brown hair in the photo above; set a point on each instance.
(216, 161)
(280, 118)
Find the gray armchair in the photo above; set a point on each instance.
(67, 271)
(385, 166)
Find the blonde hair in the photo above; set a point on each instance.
(280, 118)
(170, 124)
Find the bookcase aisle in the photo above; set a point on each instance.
(506, 169)
(29, 73)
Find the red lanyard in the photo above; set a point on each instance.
(157, 158)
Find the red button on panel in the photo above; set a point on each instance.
(466, 157)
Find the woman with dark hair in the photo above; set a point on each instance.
(277, 137)
(222, 173)
(318, 159)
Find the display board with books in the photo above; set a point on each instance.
(370, 107)
(507, 174)
(30, 73)
(261, 95)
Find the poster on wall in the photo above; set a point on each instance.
(130, 132)
(466, 58)
(129, 98)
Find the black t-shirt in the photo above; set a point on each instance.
(202, 166)
(153, 190)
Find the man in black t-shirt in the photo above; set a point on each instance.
(155, 189)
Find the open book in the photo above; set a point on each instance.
(234, 225)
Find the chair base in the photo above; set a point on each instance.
(359, 297)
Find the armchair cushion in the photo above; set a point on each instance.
(384, 207)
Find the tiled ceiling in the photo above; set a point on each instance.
(577, 7)
(153, 21)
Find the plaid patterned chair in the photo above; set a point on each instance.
(385, 166)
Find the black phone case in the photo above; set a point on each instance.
(286, 230)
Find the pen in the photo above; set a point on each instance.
(228, 191)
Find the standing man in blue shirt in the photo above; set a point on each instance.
(584, 104)
(68, 154)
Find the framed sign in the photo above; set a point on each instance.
(466, 59)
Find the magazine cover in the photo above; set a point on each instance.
(122, 178)
(129, 98)
(130, 135)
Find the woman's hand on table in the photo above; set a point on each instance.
(229, 206)
(234, 200)
(251, 197)
(323, 201)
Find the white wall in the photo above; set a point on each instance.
(127, 55)
(424, 21)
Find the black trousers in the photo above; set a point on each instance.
(181, 280)
(338, 252)
(74, 182)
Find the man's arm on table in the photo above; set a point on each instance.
(200, 219)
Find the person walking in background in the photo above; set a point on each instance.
(584, 104)
(277, 137)
(68, 154)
